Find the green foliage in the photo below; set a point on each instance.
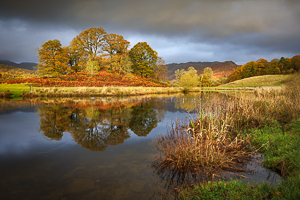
(144, 59)
(282, 151)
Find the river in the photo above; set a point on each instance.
(99, 148)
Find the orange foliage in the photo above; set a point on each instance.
(82, 79)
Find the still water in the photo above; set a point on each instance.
(98, 148)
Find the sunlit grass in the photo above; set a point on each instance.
(259, 81)
(15, 89)
(271, 117)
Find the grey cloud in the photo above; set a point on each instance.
(189, 29)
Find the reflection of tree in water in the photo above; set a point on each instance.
(97, 126)
(102, 128)
(188, 102)
(54, 120)
(144, 118)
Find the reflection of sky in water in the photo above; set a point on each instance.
(33, 165)
(19, 135)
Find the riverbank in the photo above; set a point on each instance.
(282, 154)
(28, 90)
(272, 119)
(25, 91)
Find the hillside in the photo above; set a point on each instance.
(9, 72)
(259, 81)
(23, 65)
(220, 69)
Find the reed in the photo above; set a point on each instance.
(217, 138)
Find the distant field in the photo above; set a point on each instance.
(259, 81)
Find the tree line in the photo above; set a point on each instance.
(263, 67)
(189, 78)
(94, 50)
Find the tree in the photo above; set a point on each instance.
(122, 63)
(116, 47)
(161, 70)
(249, 69)
(53, 59)
(284, 65)
(236, 75)
(192, 71)
(144, 59)
(295, 61)
(187, 80)
(178, 74)
(209, 72)
(88, 45)
(274, 69)
(204, 80)
(91, 67)
(263, 66)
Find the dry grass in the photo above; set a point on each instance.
(259, 81)
(216, 139)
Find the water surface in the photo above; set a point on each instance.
(86, 148)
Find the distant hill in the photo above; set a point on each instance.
(23, 65)
(220, 69)
(8, 72)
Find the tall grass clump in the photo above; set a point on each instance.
(204, 145)
(217, 138)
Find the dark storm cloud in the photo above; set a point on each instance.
(191, 30)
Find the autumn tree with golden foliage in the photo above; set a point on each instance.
(160, 72)
(53, 59)
(88, 46)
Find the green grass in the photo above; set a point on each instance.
(15, 89)
(282, 153)
(18, 89)
(259, 81)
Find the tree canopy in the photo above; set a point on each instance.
(93, 50)
(53, 59)
(263, 67)
(144, 59)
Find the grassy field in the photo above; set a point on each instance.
(15, 89)
(259, 81)
(247, 83)
(23, 90)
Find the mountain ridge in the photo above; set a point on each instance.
(22, 65)
(220, 69)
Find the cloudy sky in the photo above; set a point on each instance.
(179, 30)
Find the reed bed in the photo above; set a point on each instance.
(217, 138)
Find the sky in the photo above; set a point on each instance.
(179, 30)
